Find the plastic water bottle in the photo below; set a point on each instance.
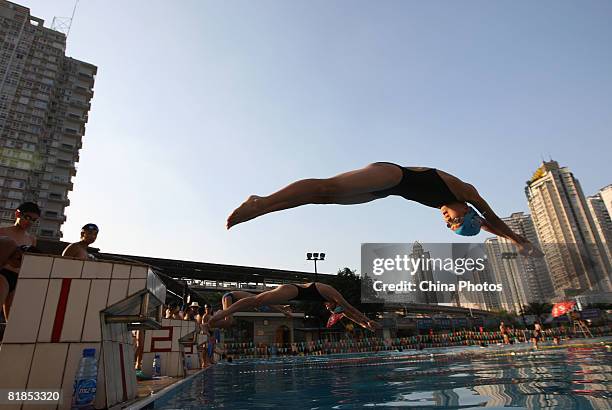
(85, 381)
(156, 366)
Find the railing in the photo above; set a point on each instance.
(320, 347)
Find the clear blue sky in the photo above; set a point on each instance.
(199, 104)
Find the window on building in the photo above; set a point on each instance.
(40, 104)
(17, 184)
(15, 195)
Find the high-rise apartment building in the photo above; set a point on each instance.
(44, 104)
(575, 255)
(504, 270)
(423, 274)
(606, 197)
(525, 280)
(602, 221)
(532, 274)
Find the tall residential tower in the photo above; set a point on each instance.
(602, 221)
(44, 104)
(575, 255)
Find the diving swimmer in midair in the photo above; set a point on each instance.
(429, 186)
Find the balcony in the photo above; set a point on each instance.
(58, 199)
(77, 103)
(83, 91)
(65, 148)
(64, 163)
(64, 181)
(54, 217)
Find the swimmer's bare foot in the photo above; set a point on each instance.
(248, 210)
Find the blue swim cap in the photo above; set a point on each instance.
(471, 224)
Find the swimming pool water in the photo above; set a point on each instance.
(571, 378)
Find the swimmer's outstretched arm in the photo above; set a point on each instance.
(282, 309)
(493, 223)
(359, 318)
(240, 305)
(224, 323)
(349, 310)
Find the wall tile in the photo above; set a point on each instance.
(97, 270)
(139, 272)
(66, 268)
(121, 271)
(147, 364)
(27, 308)
(75, 311)
(35, 266)
(16, 360)
(50, 307)
(47, 366)
(118, 291)
(163, 356)
(98, 295)
(100, 402)
(110, 373)
(136, 285)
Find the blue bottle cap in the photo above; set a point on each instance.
(89, 352)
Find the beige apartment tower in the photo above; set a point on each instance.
(44, 104)
(606, 196)
(574, 253)
(525, 280)
(602, 221)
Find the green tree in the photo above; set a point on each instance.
(537, 309)
(352, 288)
(505, 316)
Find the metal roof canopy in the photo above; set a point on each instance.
(190, 270)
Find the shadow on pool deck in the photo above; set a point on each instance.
(148, 387)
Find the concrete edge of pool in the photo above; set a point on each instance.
(140, 404)
(504, 350)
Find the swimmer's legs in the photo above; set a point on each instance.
(278, 296)
(7, 304)
(4, 293)
(8, 249)
(351, 187)
(139, 351)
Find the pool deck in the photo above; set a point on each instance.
(151, 390)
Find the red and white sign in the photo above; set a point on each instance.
(561, 308)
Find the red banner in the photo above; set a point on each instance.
(561, 308)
